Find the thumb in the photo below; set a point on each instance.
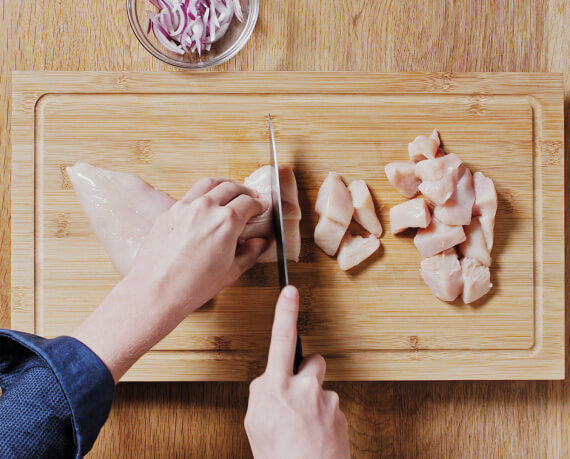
(248, 252)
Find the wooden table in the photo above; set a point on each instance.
(452, 419)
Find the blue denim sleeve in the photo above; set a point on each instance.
(56, 396)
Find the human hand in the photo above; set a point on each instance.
(291, 416)
(192, 250)
(191, 253)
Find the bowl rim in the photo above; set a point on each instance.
(211, 62)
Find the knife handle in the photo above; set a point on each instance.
(298, 355)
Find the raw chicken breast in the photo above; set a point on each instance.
(402, 176)
(438, 168)
(334, 206)
(121, 208)
(355, 249)
(364, 212)
(437, 237)
(410, 214)
(262, 225)
(475, 245)
(292, 242)
(476, 280)
(424, 147)
(439, 177)
(457, 210)
(485, 205)
(442, 274)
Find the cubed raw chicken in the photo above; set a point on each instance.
(355, 249)
(410, 214)
(334, 206)
(476, 280)
(121, 209)
(458, 208)
(475, 244)
(364, 212)
(442, 274)
(437, 237)
(424, 147)
(262, 225)
(402, 176)
(439, 177)
(485, 205)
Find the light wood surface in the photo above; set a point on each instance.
(377, 322)
(420, 419)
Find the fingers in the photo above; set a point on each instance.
(247, 207)
(315, 365)
(201, 187)
(225, 192)
(284, 334)
(248, 252)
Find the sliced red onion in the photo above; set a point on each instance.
(183, 26)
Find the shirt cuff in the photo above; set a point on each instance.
(85, 380)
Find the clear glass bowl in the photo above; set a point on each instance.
(224, 49)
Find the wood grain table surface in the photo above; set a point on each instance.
(399, 419)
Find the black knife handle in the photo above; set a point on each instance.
(298, 355)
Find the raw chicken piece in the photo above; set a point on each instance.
(457, 210)
(262, 225)
(476, 280)
(439, 177)
(364, 212)
(442, 274)
(424, 147)
(121, 208)
(437, 237)
(438, 192)
(402, 176)
(485, 205)
(475, 245)
(485, 196)
(410, 214)
(355, 249)
(334, 206)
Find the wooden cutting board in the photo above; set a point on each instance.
(378, 322)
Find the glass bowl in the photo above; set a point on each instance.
(222, 50)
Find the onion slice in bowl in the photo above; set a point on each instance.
(183, 26)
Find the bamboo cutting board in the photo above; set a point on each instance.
(379, 322)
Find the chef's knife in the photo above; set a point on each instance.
(280, 231)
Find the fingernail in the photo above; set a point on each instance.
(290, 292)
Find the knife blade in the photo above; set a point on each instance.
(280, 232)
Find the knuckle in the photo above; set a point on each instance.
(230, 215)
(284, 333)
(311, 384)
(334, 400)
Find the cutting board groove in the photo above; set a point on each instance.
(377, 322)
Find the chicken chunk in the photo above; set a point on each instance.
(475, 244)
(334, 206)
(442, 274)
(457, 210)
(485, 205)
(364, 212)
(355, 249)
(410, 214)
(262, 225)
(476, 280)
(437, 237)
(121, 209)
(401, 175)
(439, 177)
(424, 147)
